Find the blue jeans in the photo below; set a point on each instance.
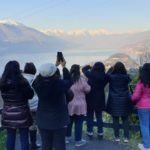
(24, 138)
(144, 116)
(78, 120)
(90, 121)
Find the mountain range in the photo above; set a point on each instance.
(18, 38)
(124, 58)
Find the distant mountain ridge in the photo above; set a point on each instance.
(16, 37)
(119, 57)
(124, 58)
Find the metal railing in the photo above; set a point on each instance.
(132, 127)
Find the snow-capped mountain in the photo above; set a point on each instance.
(10, 22)
(103, 39)
(16, 37)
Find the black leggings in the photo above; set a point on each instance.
(125, 126)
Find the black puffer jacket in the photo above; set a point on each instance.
(16, 113)
(119, 103)
(97, 81)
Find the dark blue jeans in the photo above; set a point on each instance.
(24, 138)
(78, 121)
(125, 126)
(144, 116)
(90, 121)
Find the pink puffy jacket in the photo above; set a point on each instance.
(141, 95)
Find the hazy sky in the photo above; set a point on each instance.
(113, 15)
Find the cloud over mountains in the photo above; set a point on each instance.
(103, 39)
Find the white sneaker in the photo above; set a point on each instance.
(90, 133)
(125, 140)
(100, 135)
(80, 143)
(141, 147)
(117, 139)
(68, 140)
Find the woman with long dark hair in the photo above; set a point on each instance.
(119, 103)
(77, 107)
(97, 79)
(15, 91)
(141, 97)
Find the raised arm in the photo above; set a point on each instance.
(86, 71)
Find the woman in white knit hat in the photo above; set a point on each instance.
(52, 114)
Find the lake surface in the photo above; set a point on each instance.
(81, 57)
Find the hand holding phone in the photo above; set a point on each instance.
(60, 57)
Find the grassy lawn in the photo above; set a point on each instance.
(133, 141)
(135, 137)
(2, 140)
(108, 134)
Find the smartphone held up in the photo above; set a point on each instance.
(60, 57)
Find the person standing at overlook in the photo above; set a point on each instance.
(77, 107)
(119, 103)
(52, 113)
(141, 96)
(97, 79)
(16, 92)
(29, 73)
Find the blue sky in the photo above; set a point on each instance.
(113, 15)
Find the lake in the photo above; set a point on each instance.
(81, 57)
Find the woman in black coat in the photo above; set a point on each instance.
(119, 103)
(52, 113)
(97, 79)
(15, 91)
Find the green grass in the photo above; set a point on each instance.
(2, 140)
(135, 137)
(108, 134)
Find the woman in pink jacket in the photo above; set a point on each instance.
(141, 97)
(77, 107)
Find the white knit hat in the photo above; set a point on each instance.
(47, 70)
